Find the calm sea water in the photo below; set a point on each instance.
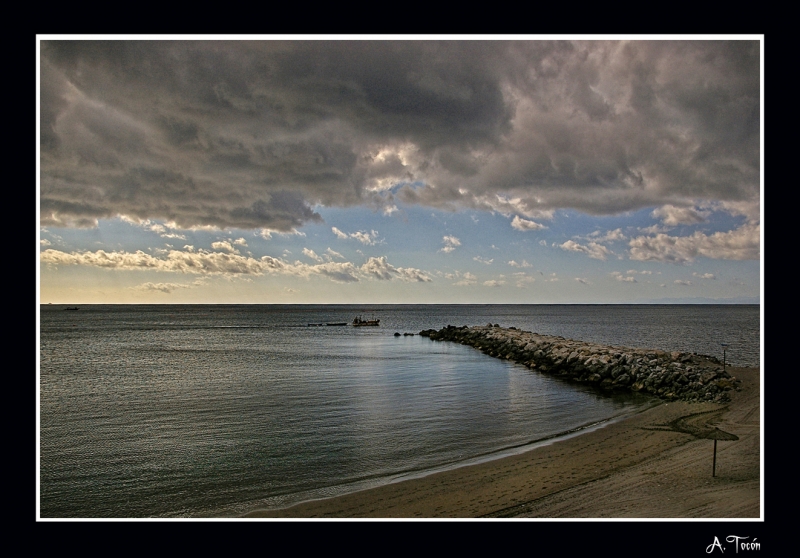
(204, 411)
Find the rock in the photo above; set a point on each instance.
(622, 379)
(665, 374)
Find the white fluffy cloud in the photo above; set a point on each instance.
(525, 225)
(333, 253)
(625, 279)
(450, 244)
(224, 246)
(221, 263)
(739, 244)
(200, 262)
(608, 236)
(379, 268)
(411, 274)
(364, 237)
(340, 272)
(165, 287)
(593, 249)
(311, 254)
(672, 215)
(267, 233)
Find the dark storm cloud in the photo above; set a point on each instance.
(255, 134)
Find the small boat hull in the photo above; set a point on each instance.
(358, 322)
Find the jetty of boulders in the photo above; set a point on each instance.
(667, 375)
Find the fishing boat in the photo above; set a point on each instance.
(358, 322)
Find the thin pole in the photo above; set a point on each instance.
(714, 467)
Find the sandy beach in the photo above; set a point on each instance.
(655, 464)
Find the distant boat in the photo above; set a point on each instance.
(337, 324)
(71, 308)
(358, 322)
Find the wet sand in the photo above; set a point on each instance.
(651, 465)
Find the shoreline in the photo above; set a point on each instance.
(638, 467)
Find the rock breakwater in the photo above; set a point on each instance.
(667, 375)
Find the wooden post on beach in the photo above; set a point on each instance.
(715, 435)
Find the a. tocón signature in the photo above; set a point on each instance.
(739, 543)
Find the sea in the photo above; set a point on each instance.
(187, 411)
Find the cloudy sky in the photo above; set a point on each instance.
(314, 170)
